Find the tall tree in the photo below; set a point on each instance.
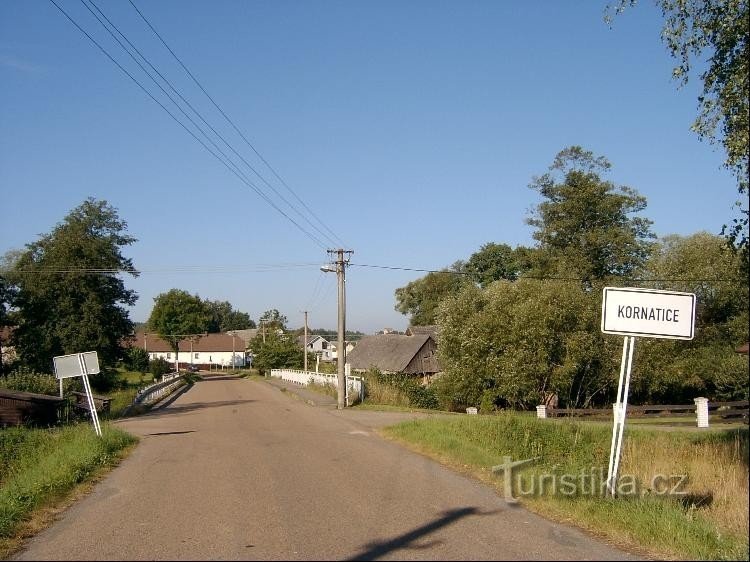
(70, 294)
(493, 262)
(178, 315)
(671, 370)
(273, 320)
(715, 31)
(224, 318)
(420, 298)
(276, 351)
(586, 226)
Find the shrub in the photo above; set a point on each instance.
(398, 389)
(30, 381)
(159, 367)
(136, 359)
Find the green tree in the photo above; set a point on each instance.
(177, 315)
(715, 31)
(136, 359)
(678, 371)
(278, 351)
(420, 298)
(273, 320)
(222, 317)
(493, 262)
(512, 344)
(586, 226)
(70, 294)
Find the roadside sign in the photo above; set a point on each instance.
(80, 365)
(76, 364)
(648, 313)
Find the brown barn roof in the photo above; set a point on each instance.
(387, 352)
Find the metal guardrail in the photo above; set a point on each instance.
(169, 383)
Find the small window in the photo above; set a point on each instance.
(324, 345)
(169, 356)
(197, 355)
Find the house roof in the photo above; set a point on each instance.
(311, 338)
(387, 352)
(246, 335)
(205, 343)
(431, 330)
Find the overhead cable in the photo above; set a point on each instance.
(237, 130)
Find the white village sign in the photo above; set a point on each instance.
(650, 313)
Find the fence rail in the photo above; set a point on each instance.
(303, 378)
(737, 409)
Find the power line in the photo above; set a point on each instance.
(556, 278)
(237, 130)
(184, 269)
(191, 133)
(197, 113)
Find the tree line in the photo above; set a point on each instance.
(519, 325)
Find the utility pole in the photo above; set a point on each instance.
(342, 259)
(304, 343)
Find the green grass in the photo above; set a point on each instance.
(666, 526)
(41, 466)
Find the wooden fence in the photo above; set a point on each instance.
(736, 410)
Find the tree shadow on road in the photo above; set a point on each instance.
(194, 406)
(376, 549)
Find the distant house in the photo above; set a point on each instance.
(245, 335)
(396, 353)
(206, 351)
(334, 349)
(318, 345)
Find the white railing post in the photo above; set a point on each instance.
(541, 412)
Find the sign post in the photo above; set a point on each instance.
(80, 365)
(650, 313)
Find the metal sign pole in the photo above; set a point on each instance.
(89, 396)
(620, 411)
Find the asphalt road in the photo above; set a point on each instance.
(236, 469)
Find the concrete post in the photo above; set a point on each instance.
(701, 411)
(541, 412)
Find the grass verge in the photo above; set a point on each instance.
(39, 468)
(708, 521)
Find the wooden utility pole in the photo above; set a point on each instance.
(304, 343)
(342, 259)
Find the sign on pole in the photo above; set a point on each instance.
(650, 313)
(80, 365)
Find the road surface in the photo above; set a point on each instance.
(237, 469)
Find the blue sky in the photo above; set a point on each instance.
(410, 128)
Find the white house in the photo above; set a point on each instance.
(318, 345)
(205, 351)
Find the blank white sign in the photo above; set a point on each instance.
(67, 366)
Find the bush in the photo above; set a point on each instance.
(29, 381)
(159, 367)
(396, 389)
(136, 359)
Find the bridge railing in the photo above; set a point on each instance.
(168, 384)
(303, 378)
